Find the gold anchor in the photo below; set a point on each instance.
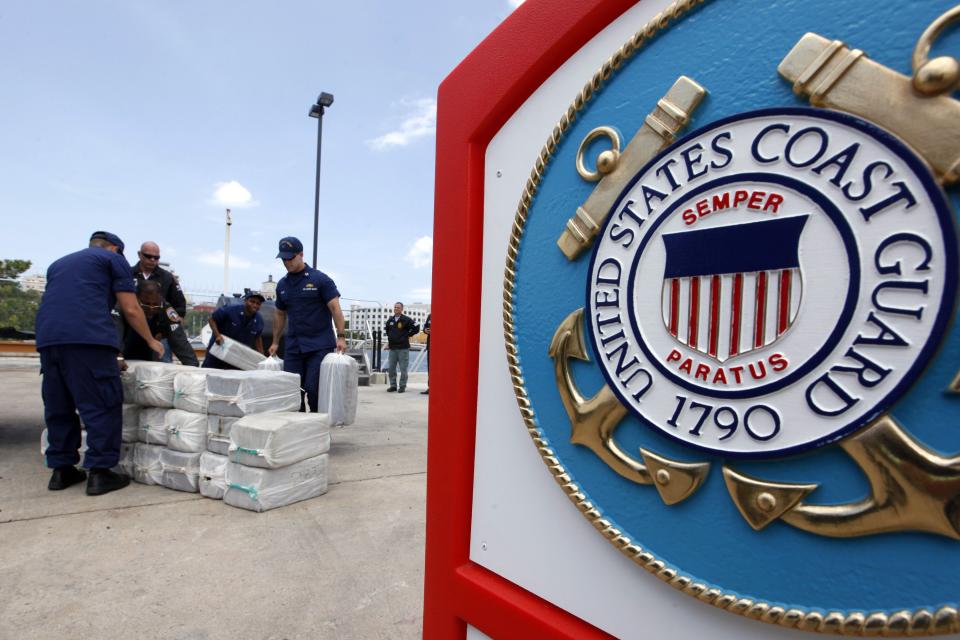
(911, 487)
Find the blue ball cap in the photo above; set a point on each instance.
(254, 294)
(112, 238)
(289, 247)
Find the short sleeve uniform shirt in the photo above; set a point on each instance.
(304, 297)
(234, 323)
(81, 291)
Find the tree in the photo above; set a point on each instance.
(18, 308)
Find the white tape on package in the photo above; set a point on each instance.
(153, 426)
(237, 354)
(213, 478)
(273, 440)
(128, 380)
(45, 442)
(125, 466)
(273, 363)
(262, 489)
(131, 422)
(186, 431)
(241, 393)
(337, 395)
(190, 390)
(146, 463)
(218, 433)
(155, 383)
(180, 470)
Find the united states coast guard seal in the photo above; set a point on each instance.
(734, 346)
(772, 283)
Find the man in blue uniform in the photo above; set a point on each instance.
(77, 341)
(311, 302)
(242, 322)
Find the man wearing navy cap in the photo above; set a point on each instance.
(77, 341)
(242, 322)
(310, 300)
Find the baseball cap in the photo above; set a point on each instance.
(112, 238)
(289, 247)
(254, 294)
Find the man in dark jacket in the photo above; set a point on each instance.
(164, 324)
(148, 269)
(399, 330)
(426, 330)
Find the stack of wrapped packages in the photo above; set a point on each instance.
(231, 435)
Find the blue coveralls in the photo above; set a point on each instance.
(77, 341)
(234, 323)
(310, 336)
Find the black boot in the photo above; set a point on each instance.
(64, 477)
(104, 481)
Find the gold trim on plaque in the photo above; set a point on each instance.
(905, 622)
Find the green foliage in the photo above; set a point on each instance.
(18, 308)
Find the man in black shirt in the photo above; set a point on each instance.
(164, 324)
(399, 330)
(148, 269)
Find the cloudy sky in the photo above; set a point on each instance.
(150, 118)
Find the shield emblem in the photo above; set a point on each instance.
(734, 289)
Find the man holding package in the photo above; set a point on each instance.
(77, 341)
(311, 302)
(241, 322)
(164, 324)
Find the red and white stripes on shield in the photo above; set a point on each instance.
(730, 314)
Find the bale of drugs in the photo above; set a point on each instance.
(146, 463)
(155, 383)
(213, 480)
(337, 393)
(131, 422)
(186, 431)
(273, 440)
(180, 470)
(128, 380)
(273, 363)
(236, 354)
(190, 390)
(241, 393)
(125, 465)
(153, 426)
(258, 489)
(218, 433)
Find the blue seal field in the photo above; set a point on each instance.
(732, 48)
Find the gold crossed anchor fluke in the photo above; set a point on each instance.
(911, 488)
(595, 420)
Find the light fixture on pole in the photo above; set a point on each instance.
(324, 100)
(226, 257)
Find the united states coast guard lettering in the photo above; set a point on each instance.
(771, 283)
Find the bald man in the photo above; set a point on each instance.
(148, 269)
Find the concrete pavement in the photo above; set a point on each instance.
(148, 562)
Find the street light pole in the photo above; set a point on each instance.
(226, 257)
(324, 100)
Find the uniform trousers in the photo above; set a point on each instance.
(307, 366)
(84, 379)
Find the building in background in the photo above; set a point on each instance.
(371, 318)
(269, 289)
(34, 282)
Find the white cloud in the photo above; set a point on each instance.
(232, 194)
(420, 254)
(216, 258)
(420, 121)
(514, 3)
